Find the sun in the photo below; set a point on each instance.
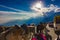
(37, 6)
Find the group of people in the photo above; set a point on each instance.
(41, 33)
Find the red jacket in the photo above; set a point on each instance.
(34, 38)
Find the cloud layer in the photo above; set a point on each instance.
(6, 16)
(50, 8)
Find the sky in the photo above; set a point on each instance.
(27, 9)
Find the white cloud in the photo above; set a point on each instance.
(11, 8)
(46, 9)
(9, 12)
(57, 10)
(8, 16)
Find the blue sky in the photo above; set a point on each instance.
(23, 10)
(25, 4)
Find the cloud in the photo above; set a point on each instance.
(57, 10)
(5, 19)
(9, 12)
(6, 16)
(20, 11)
(11, 8)
(46, 9)
(54, 8)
